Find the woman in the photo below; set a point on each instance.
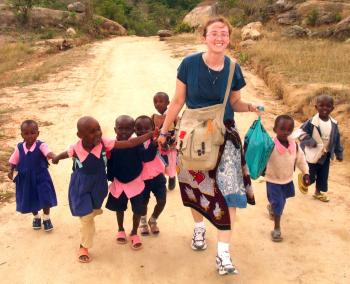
(217, 193)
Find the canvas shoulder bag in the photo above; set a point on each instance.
(200, 133)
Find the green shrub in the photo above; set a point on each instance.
(312, 18)
(184, 28)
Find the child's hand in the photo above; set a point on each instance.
(10, 175)
(50, 156)
(156, 133)
(55, 160)
(306, 179)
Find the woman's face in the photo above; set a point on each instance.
(217, 37)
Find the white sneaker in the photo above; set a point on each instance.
(198, 239)
(224, 264)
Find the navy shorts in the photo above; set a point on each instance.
(277, 195)
(120, 204)
(157, 186)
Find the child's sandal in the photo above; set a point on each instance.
(83, 255)
(121, 238)
(276, 236)
(322, 197)
(302, 187)
(153, 226)
(136, 243)
(144, 231)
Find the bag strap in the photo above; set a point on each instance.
(228, 87)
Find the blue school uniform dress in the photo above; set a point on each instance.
(34, 187)
(88, 184)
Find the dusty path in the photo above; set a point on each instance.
(120, 78)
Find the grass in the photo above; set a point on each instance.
(12, 54)
(305, 61)
(39, 68)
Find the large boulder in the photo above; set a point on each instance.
(251, 31)
(48, 17)
(164, 33)
(322, 12)
(296, 31)
(200, 14)
(288, 18)
(77, 7)
(341, 31)
(110, 27)
(7, 18)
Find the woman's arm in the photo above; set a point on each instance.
(240, 106)
(175, 106)
(61, 156)
(133, 142)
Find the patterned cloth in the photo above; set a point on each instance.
(212, 192)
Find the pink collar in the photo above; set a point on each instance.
(82, 153)
(26, 150)
(281, 149)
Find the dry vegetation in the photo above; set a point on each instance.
(305, 61)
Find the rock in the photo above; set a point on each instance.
(71, 32)
(47, 17)
(341, 31)
(322, 34)
(251, 31)
(247, 43)
(7, 18)
(322, 12)
(164, 33)
(77, 7)
(288, 18)
(296, 31)
(200, 14)
(347, 41)
(111, 27)
(283, 6)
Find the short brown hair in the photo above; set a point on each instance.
(215, 20)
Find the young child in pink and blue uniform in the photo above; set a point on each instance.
(34, 188)
(88, 185)
(153, 176)
(285, 156)
(161, 102)
(124, 169)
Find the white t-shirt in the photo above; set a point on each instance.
(326, 128)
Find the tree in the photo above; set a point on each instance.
(23, 8)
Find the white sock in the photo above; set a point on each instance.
(199, 225)
(37, 216)
(223, 247)
(46, 217)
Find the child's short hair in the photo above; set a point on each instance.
(324, 97)
(281, 117)
(162, 94)
(145, 117)
(29, 122)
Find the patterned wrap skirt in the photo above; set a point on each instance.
(212, 192)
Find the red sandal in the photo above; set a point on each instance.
(121, 238)
(136, 243)
(83, 252)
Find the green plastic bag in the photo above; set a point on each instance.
(258, 147)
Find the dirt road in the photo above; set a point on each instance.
(120, 76)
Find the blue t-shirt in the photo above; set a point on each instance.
(206, 87)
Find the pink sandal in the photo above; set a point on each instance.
(121, 238)
(136, 243)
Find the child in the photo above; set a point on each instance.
(320, 140)
(161, 102)
(153, 176)
(34, 187)
(124, 170)
(279, 171)
(88, 185)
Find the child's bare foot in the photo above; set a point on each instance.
(83, 255)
